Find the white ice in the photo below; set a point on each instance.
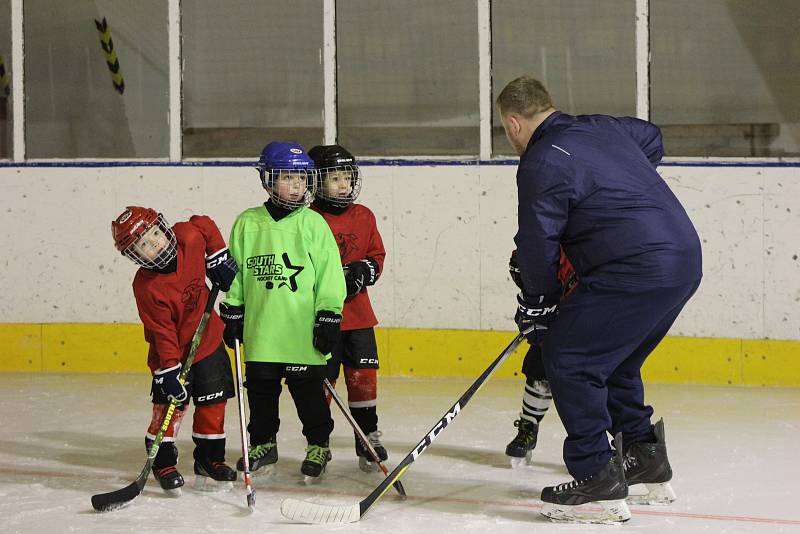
(66, 437)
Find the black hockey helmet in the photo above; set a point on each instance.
(335, 163)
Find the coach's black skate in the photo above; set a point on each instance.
(647, 463)
(520, 449)
(316, 461)
(365, 460)
(606, 488)
(213, 476)
(261, 458)
(170, 480)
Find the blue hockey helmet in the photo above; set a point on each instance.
(288, 162)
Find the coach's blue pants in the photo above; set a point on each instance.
(593, 354)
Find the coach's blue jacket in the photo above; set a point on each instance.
(589, 183)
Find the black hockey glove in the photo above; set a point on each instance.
(166, 380)
(326, 331)
(233, 317)
(513, 269)
(534, 315)
(360, 274)
(221, 269)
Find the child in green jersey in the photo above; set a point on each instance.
(285, 305)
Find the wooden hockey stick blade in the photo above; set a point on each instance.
(114, 500)
(310, 512)
(361, 437)
(315, 513)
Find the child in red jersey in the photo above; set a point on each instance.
(537, 397)
(171, 294)
(362, 252)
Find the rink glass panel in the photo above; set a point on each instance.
(725, 77)
(583, 52)
(407, 77)
(72, 108)
(254, 79)
(6, 119)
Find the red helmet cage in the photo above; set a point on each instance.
(131, 224)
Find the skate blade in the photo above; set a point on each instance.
(660, 494)
(208, 484)
(612, 512)
(173, 493)
(265, 471)
(366, 466)
(309, 480)
(521, 462)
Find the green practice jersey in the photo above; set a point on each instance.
(288, 271)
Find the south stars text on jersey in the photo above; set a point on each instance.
(265, 269)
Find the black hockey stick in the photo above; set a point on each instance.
(310, 512)
(248, 486)
(360, 433)
(105, 502)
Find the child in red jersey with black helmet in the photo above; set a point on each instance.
(171, 294)
(362, 253)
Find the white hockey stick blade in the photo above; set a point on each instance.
(314, 513)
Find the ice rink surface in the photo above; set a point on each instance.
(734, 452)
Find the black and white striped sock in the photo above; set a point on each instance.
(536, 400)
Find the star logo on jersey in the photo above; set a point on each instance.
(292, 277)
(274, 274)
(347, 244)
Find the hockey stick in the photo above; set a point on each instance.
(360, 433)
(310, 512)
(105, 502)
(251, 493)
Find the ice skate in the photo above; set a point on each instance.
(213, 476)
(647, 463)
(365, 461)
(262, 459)
(314, 465)
(170, 480)
(606, 488)
(520, 449)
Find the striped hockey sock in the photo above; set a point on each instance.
(536, 400)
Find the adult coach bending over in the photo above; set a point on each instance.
(589, 183)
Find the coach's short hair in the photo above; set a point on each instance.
(525, 96)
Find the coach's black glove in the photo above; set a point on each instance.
(166, 380)
(326, 331)
(513, 269)
(360, 274)
(534, 315)
(221, 269)
(233, 317)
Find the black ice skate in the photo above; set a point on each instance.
(213, 476)
(520, 449)
(647, 463)
(317, 459)
(170, 480)
(606, 488)
(261, 458)
(365, 461)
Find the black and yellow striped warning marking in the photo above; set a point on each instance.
(5, 84)
(111, 55)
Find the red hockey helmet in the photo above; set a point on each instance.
(136, 222)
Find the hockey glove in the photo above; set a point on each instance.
(360, 274)
(326, 331)
(513, 269)
(221, 269)
(233, 317)
(534, 316)
(166, 380)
